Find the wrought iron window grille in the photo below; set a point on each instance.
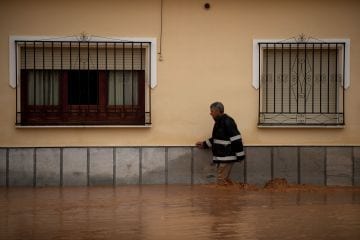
(83, 82)
(301, 83)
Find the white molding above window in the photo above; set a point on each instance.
(255, 65)
(12, 51)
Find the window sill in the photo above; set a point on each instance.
(302, 126)
(86, 126)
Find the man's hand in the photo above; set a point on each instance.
(199, 145)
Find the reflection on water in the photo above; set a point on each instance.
(176, 212)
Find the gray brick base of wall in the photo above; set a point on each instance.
(96, 166)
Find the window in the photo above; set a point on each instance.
(301, 83)
(83, 83)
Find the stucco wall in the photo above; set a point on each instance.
(207, 56)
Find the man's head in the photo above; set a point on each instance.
(216, 110)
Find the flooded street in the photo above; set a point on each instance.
(177, 212)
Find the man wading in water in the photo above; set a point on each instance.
(226, 143)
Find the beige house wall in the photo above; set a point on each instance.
(207, 56)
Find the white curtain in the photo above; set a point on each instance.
(117, 94)
(43, 87)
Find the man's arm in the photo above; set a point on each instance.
(235, 139)
(205, 144)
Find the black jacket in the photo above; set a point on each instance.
(226, 142)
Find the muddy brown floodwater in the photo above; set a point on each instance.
(178, 212)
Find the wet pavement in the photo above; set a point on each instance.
(177, 212)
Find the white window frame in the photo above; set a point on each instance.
(14, 67)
